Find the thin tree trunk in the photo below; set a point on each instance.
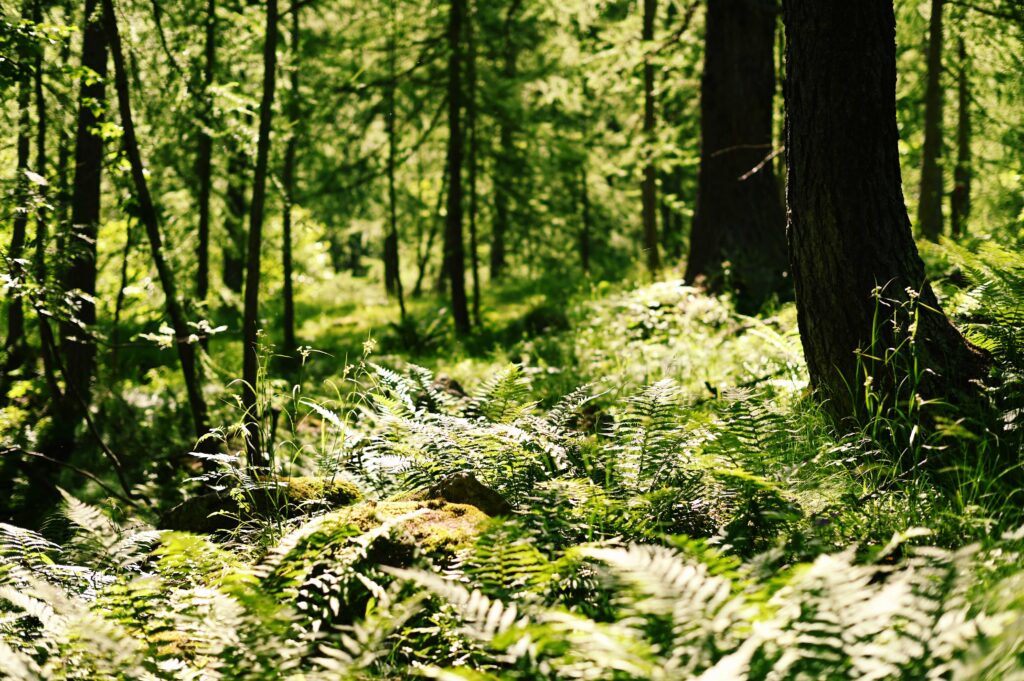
(649, 188)
(424, 258)
(288, 314)
(849, 234)
(42, 225)
(739, 219)
(78, 347)
(929, 207)
(454, 255)
(585, 217)
(392, 262)
(14, 346)
(115, 334)
(504, 174)
(250, 325)
(204, 160)
(471, 110)
(149, 219)
(233, 250)
(960, 200)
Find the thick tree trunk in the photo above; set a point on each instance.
(738, 238)
(78, 347)
(454, 250)
(929, 207)
(849, 234)
(250, 324)
(960, 200)
(148, 218)
(471, 111)
(204, 160)
(648, 191)
(504, 172)
(288, 313)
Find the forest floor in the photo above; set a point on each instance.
(671, 502)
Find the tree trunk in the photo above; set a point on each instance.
(42, 225)
(738, 239)
(392, 262)
(849, 234)
(454, 250)
(250, 324)
(78, 347)
(471, 110)
(960, 200)
(648, 192)
(929, 207)
(585, 219)
(504, 173)
(204, 160)
(288, 314)
(233, 250)
(148, 218)
(14, 345)
(424, 258)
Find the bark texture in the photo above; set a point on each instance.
(739, 217)
(849, 233)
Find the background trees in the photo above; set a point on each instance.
(518, 152)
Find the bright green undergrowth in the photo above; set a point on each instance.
(682, 511)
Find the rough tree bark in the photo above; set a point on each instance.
(454, 249)
(929, 207)
(250, 323)
(960, 199)
(849, 233)
(648, 190)
(739, 218)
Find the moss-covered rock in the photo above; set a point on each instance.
(463, 488)
(281, 497)
(434, 528)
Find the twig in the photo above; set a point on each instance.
(39, 455)
(765, 161)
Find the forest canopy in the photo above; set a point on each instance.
(526, 339)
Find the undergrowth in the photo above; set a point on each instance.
(681, 510)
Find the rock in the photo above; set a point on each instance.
(464, 488)
(434, 528)
(288, 497)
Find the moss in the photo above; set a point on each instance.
(282, 497)
(435, 528)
